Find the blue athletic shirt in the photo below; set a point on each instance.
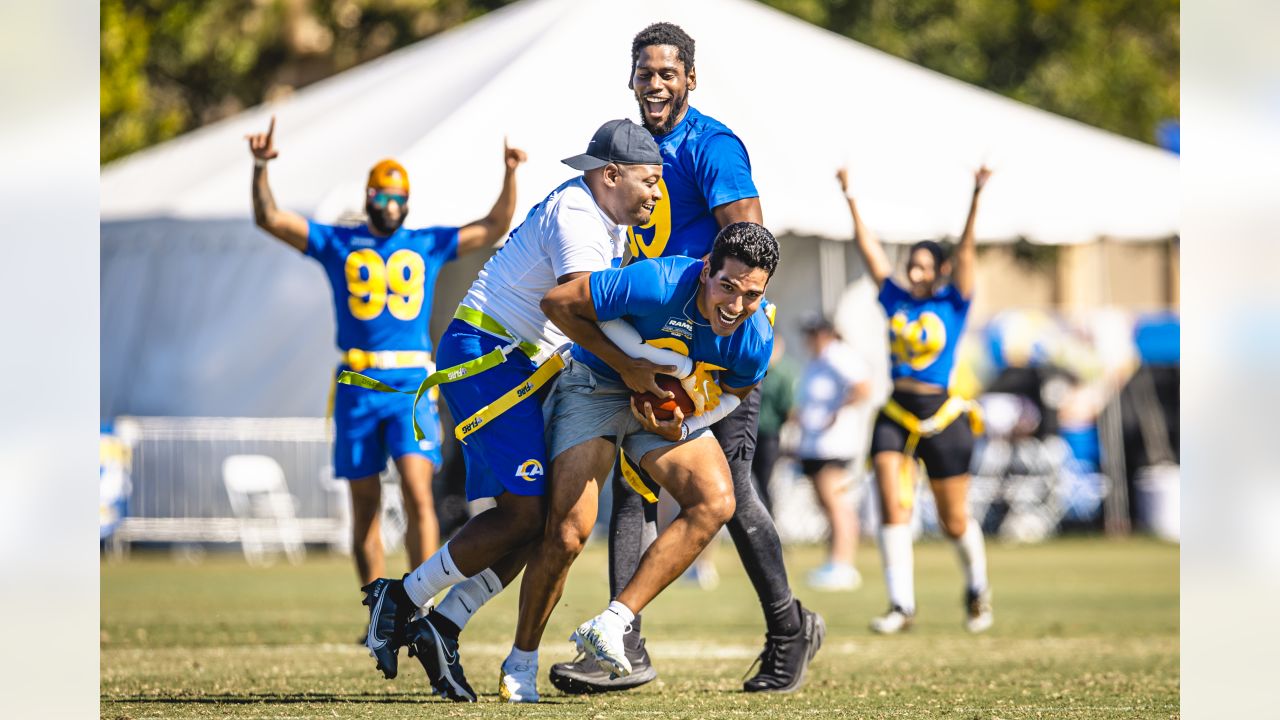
(704, 166)
(923, 334)
(382, 287)
(658, 299)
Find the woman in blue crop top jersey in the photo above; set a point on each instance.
(926, 317)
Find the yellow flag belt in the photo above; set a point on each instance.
(471, 368)
(951, 410)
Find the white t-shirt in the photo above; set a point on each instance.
(567, 232)
(824, 385)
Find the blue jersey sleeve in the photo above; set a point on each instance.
(320, 239)
(752, 361)
(441, 243)
(636, 289)
(890, 295)
(952, 297)
(724, 170)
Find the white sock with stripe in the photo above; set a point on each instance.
(428, 579)
(972, 550)
(465, 598)
(899, 565)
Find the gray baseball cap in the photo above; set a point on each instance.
(617, 141)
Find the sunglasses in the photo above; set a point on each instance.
(382, 199)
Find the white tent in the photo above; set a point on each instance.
(203, 314)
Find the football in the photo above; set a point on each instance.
(664, 408)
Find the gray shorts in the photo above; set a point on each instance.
(584, 406)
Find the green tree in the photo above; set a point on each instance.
(168, 66)
(1108, 63)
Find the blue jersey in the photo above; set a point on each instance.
(658, 298)
(923, 334)
(704, 166)
(382, 287)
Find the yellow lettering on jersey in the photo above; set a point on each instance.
(368, 282)
(917, 343)
(658, 229)
(406, 273)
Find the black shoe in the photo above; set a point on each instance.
(785, 659)
(429, 639)
(389, 612)
(584, 676)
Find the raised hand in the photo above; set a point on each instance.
(262, 145)
(843, 176)
(512, 156)
(980, 177)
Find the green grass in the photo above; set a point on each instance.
(1085, 628)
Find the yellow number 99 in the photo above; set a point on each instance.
(405, 275)
(368, 282)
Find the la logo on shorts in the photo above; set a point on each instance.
(529, 470)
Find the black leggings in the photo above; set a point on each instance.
(634, 523)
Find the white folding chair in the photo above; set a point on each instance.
(264, 508)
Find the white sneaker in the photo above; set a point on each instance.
(978, 614)
(518, 683)
(601, 638)
(835, 577)
(894, 621)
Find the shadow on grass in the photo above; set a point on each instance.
(289, 699)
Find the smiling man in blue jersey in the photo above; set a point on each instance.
(707, 185)
(577, 229)
(706, 310)
(383, 277)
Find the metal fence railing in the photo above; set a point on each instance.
(179, 494)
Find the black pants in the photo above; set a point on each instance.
(767, 454)
(634, 522)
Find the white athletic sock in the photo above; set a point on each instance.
(465, 598)
(621, 611)
(972, 550)
(428, 579)
(899, 565)
(527, 658)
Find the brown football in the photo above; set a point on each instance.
(664, 408)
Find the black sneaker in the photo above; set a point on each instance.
(434, 641)
(389, 612)
(785, 659)
(584, 676)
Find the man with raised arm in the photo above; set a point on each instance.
(383, 277)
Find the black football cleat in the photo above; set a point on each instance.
(389, 612)
(434, 641)
(785, 660)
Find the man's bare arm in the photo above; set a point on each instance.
(489, 229)
(288, 226)
(744, 210)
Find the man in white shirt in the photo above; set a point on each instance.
(577, 229)
(832, 412)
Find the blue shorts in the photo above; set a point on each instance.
(368, 426)
(508, 454)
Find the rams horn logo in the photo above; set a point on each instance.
(529, 470)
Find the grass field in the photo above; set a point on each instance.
(1085, 628)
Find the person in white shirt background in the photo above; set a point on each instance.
(833, 413)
